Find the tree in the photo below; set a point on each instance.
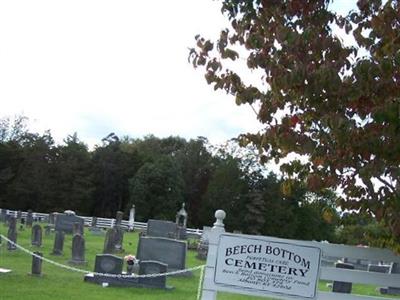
(197, 166)
(157, 189)
(73, 176)
(316, 96)
(113, 165)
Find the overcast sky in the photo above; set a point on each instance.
(95, 67)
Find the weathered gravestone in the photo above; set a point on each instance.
(113, 240)
(110, 264)
(181, 222)
(19, 215)
(340, 286)
(36, 264)
(394, 269)
(169, 251)
(202, 249)
(153, 267)
(58, 243)
(64, 222)
(36, 236)
(77, 228)
(52, 218)
(131, 222)
(378, 268)
(118, 218)
(12, 234)
(160, 228)
(29, 218)
(3, 215)
(78, 250)
(93, 227)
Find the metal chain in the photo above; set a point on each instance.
(100, 274)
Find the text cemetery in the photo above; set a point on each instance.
(267, 265)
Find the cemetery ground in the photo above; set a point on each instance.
(65, 284)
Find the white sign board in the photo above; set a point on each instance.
(267, 266)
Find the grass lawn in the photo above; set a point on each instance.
(58, 283)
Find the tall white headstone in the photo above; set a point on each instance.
(131, 217)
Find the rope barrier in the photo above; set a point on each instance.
(199, 287)
(103, 274)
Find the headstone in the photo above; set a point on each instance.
(64, 222)
(19, 215)
(3, 215)
(339, 286)
(113, 240)
(78, 250)
(93, 227)
(181, 221)
(153, 267)
(202, 249)
(394, 269)
(94, 222)
(160, 228)
(36, 237)
(131, 222)
(58, 243)
(378, 268)
(108, 264)
(12, 233)
(77, 228)
(52, 218)
(118, 218)
(47, 229)
(37, 264)
(169, 251)
(29, 218)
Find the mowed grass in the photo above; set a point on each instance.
(62, 284)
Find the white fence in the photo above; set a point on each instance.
(101, 222)
(249, 266)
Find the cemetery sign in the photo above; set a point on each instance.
(263, 265)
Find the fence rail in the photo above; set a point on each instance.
(101, 222)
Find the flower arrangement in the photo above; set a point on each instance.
(130, 259)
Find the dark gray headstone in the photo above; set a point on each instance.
(118, 218)
(169, 251)
(3, 215)
(36, 237)
(113, 240)
(19, 215)
(52, 218)
(78, 250)
(108, 264)
(339, 286)
(12, 233)
(94, 222)
(378, 268)
(202, 249)
(160, 228)
(153, 267)
(29, 218)
(58, 243)
(64, 222)
(37, 264)
(77, 228)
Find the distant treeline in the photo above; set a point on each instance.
(157, 175)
